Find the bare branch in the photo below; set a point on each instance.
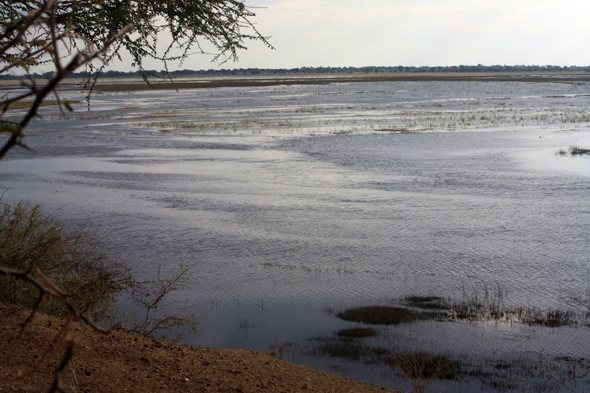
(48, 289)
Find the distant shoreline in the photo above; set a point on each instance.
(111, 85)
(123, 84)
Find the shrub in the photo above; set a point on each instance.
(68, 256)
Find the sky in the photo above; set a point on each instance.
(420, 33)
(340, 33)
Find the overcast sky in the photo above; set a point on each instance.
(413, 33)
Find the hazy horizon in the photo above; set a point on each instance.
(350, 33)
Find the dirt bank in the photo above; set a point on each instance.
(120, 362)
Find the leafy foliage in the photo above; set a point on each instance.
(224, 24)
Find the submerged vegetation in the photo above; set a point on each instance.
(423, 368)
(577, 151)
(379, 315)
(574, 151)
(339, 120)
(331, 111)
(388, 345)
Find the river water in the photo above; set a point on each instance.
(291, 203)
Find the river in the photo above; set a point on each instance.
(291, 203)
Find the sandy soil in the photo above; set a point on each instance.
(120, 362)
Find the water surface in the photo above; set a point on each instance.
(291, 201)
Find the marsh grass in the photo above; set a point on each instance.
(423, 368)
(474, 310)
(310, 109)
(352, 349)
(573, 151)
(218, 125)
(420, 368)
(412, 309)
(578, 151)
(379, 315)
(327, 117)
(549, 318)
(423, 364)
(387, 345)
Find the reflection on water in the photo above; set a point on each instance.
(279, 230)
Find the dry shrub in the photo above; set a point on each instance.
(69, 256)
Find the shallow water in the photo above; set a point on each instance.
(289, 201)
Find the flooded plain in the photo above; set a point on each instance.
(292, 204)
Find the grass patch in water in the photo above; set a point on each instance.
(573, 151)
(379, 315)
(578, 151)
(529, 316)
(425, 366)
(421, 308)
(550, 318)
(418, 366)
(351, 349)
(437, 308)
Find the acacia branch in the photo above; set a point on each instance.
(28, 21)
(80, 59)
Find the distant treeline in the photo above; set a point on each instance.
(330, 70)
